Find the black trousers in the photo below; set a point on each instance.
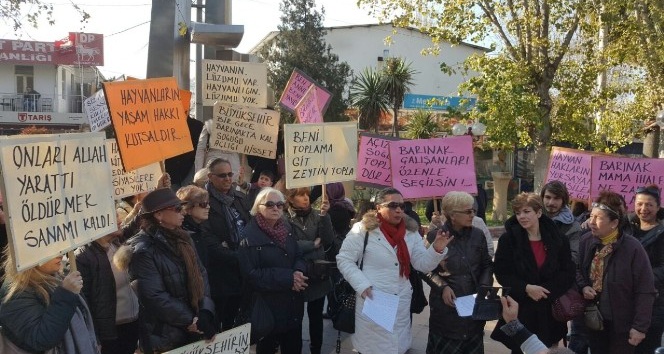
(315, 314)
(227, 308)
(289, 342)
(125, 343)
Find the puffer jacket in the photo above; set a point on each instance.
(653, 242)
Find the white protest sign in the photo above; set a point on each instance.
(233, 341)
(234, 82)
(143, 179)
(57, 191)
(320, 153)
(247, 130)
(96, 111)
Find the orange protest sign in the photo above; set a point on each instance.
(149, 121)
(185, 97)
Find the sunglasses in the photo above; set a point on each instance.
(601, 206)
(203, 205)
(467, 211)
(394, 205)
(224, 175)
(271, 204)
(177, 209)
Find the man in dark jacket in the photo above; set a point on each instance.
(556, 206)
(222, 234)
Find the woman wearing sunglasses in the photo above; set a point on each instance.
(272, 264)
(534, 260)
(196, 209)
(615, 272)
(393, 243)
(170, 280)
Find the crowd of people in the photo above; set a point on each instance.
(190, 261)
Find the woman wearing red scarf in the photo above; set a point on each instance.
(393, 243)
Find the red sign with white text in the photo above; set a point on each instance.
(89, 50)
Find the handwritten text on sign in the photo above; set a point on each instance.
(297, 86)
(140, 180)
(307, 110)
(96, 111)
(432, 167)
(247, 130)
(234, 82)
(373, 160)
(234, 341)
(624, 176)
(571, 167)
(149, 120)
(57, 192)
(320, 153)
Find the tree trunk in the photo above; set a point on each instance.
(542, 153)
(395, 123)
(651, 143)
(543, 139)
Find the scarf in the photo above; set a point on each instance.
(179, 240)
(396, 236)
(80, 337)
(565, 216)
(233, 218)
(276, 233)
(303, 213)
(597, 264)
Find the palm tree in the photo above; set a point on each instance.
(368, 93)
(422, 125)
(399, 78)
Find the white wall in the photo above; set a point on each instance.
(44, 76)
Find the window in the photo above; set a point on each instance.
(25, 77)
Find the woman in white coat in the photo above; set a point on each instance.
(391, 247)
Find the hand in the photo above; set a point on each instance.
(448, 296)
(536, 292)
(164, 181)
(73, 282)
(240, 176)
(510, 308)
(324, 207)
(367, 293)
(299, 281)
(443, 238)
(317, 243)
(635, 337)
(193, 327)
(588, 293)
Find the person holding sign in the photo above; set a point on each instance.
(392, 246)
(42, 311)
(176, 308)
(206, 154)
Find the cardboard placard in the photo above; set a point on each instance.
(624, 176)
(95, 110)
(233, 341)
(185, 97)
(373, 160)
(320, 153)
(140, 180)
(307, 110)
(57, 194)
(246, 130)
(234, 82)
(149, 120)
(432, 167)
(571, 167)
(297, 86)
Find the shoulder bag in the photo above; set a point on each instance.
(343, 315)
(568, 306)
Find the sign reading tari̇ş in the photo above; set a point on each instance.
(297, 87)
(57, 194)
(373, 160)
(307, 110)
(320, 153)
(234, 82)
(432, 167)
(247, 130)
(571, 167)
(140, 180)
(94, 108)
(88, 49)
(233, 341)
(149, 120)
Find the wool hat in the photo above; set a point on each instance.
(159, 199)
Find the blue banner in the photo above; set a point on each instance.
(436, 103)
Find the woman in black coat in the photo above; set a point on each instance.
(534, 260)
(272, 263)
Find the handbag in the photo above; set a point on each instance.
(259, 315)
(419, 301)
(343, 313)
(568, 306)
(593, 318)
(487, 303)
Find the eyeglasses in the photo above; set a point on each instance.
(466, 211)
(203, 205)
(604, 207)
(652, 191)
(224, 175)
(394, 205)
(177, 208)
(271, 204)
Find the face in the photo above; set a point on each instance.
(170, 218)
(646, 208)
(391, 209)
(264, 181)
(552, 203)
(300, 201)
(199, 211)
(462, 217)
(51, 267)
(221, 177)
(528, 218)
(274, 209)
(600, 223)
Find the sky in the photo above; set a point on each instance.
(125, 26)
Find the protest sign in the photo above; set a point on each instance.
(307, 110)
(149, 120)
(124, 183)
(624, 175)
(297, 87)
(571, 167)
(94, 108)
(185, 97)
(432, 167)
(243, 129)
(234, 82)
(320, 153)
(233, 341)
(373, 160)
(57, 194)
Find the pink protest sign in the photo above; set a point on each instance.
(432, 167)
(625, 175)
(297, 87)
(307, 110)
(373, 160)
(571, 167)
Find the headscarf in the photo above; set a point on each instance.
(396, 236)
(337, 196)
(276, 233)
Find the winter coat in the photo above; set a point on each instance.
(653, 242)
(381, 272)
(628, 290)
(515, 267)
(573, 233)
(160, 279)
(269, 270)
(195, 230)
(467, 267)
(305, 230)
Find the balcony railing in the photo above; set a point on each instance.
(20, 102)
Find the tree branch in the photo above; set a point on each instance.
(519, 31)
(486, 8)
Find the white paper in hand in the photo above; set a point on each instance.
(382, 309)
(464, 305)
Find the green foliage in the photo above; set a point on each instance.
(368, 93)
(300, 44)
(398, 76)
(18, 12)
(422, 125)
